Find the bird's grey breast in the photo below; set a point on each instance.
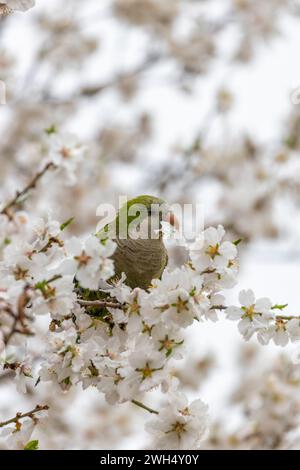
(141, 260)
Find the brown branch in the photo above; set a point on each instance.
(19, 317)
(144, 407)
(13, 202)
(8, 337)
(99, 303)
(19, 416)
(151, 60)
(208, 271)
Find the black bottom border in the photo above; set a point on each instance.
(132, 459)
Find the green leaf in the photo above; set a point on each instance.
(279, 307)
(32, 445)
(51, 130)
(41, 286)
(66, 224)
(237, 242)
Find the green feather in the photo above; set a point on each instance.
(124, 214)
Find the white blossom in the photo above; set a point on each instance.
(66, 152)
(293, 328)
(18, 5)
(23, 376)
(210, 251)
(16, 439)
(179, 425)
(253, 315)
(56, 297)
(144, 371)
(89, 261)
(168, 340)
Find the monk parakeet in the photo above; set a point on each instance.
(140, 253)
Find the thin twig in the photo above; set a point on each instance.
(141, 405)
(30, 414)
(276, 317)
(99, 303)
(92, 90)
(24, 191)
(208, 271)
(148, 63)
(18, 317)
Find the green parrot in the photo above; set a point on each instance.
(140, 253)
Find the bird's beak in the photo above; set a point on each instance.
(172, 220)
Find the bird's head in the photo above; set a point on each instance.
(145, 209)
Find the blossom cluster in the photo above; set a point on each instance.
(124, 344)
(257, 317)
(125, 349)
(106, 335)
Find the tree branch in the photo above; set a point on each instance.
(151, 60)
(18, 318)
(276, 317)
(19, 416)
(144, 407)
(24, 191)
(99, 303)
